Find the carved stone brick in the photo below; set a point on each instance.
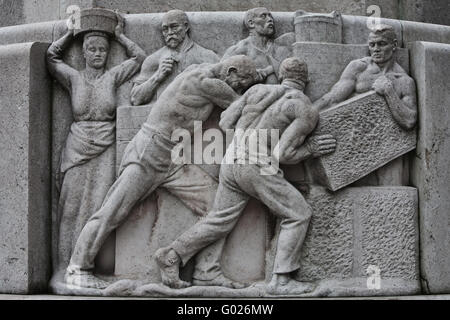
(358, 227)
(367, 138)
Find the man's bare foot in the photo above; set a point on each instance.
(83, 279)
(169, 266)
(220, 281)
(284, 285)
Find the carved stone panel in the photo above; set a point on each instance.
(367, 138)
(356, 228)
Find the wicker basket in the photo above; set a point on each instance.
(97, 19)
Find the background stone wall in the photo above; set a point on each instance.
(13, 12)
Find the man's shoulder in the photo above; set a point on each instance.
(398, 69)
(204, 54)
(360, 64)
(155, 56)
(241, 46)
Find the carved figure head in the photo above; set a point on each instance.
(260, 21)
(174, 27)
(239, 72)
(96, 49)
(293, 69)
(382, 43)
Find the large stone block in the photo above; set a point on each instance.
(24, 169)
(355, 228)
(326, 61)
(367, 137)
(430, 168)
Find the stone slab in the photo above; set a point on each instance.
(327, 61)
(416, 31)
(24, 169)
(367, 138)
(430, 168)
(358, 227)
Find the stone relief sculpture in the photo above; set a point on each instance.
(341, 208)
(379, 72)
(188, 183)
(87, 162)
(281, 107)
(260, 45)
(161, 67)
(146, 164)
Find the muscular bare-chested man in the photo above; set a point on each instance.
(281, 107)
(146, 163)
(265, 51)
(379, 72)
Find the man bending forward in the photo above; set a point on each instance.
(283, 107)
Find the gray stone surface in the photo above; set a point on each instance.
(358, 227)
(24, 169)
(430, 169)
(416, 31)
(367, 138)
(430, 11)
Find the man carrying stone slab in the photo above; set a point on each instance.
(379, 72)
(262, 108)
(146, 163)
(266, 52)
(161, 67)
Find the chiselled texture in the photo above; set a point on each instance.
(357, 227)
(367, 138)
(328, 246)
(389, 232)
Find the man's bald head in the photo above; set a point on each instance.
(259, 21)
(239, 72)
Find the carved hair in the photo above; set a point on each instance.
(242, 63)
(384, 30)
(94, 34)
(177, 14)
(295, 69)
(250, 15)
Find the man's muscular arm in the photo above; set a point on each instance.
(218, 92)
(403, 107)
(343, 88)
(143, 92)
(292, 147)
